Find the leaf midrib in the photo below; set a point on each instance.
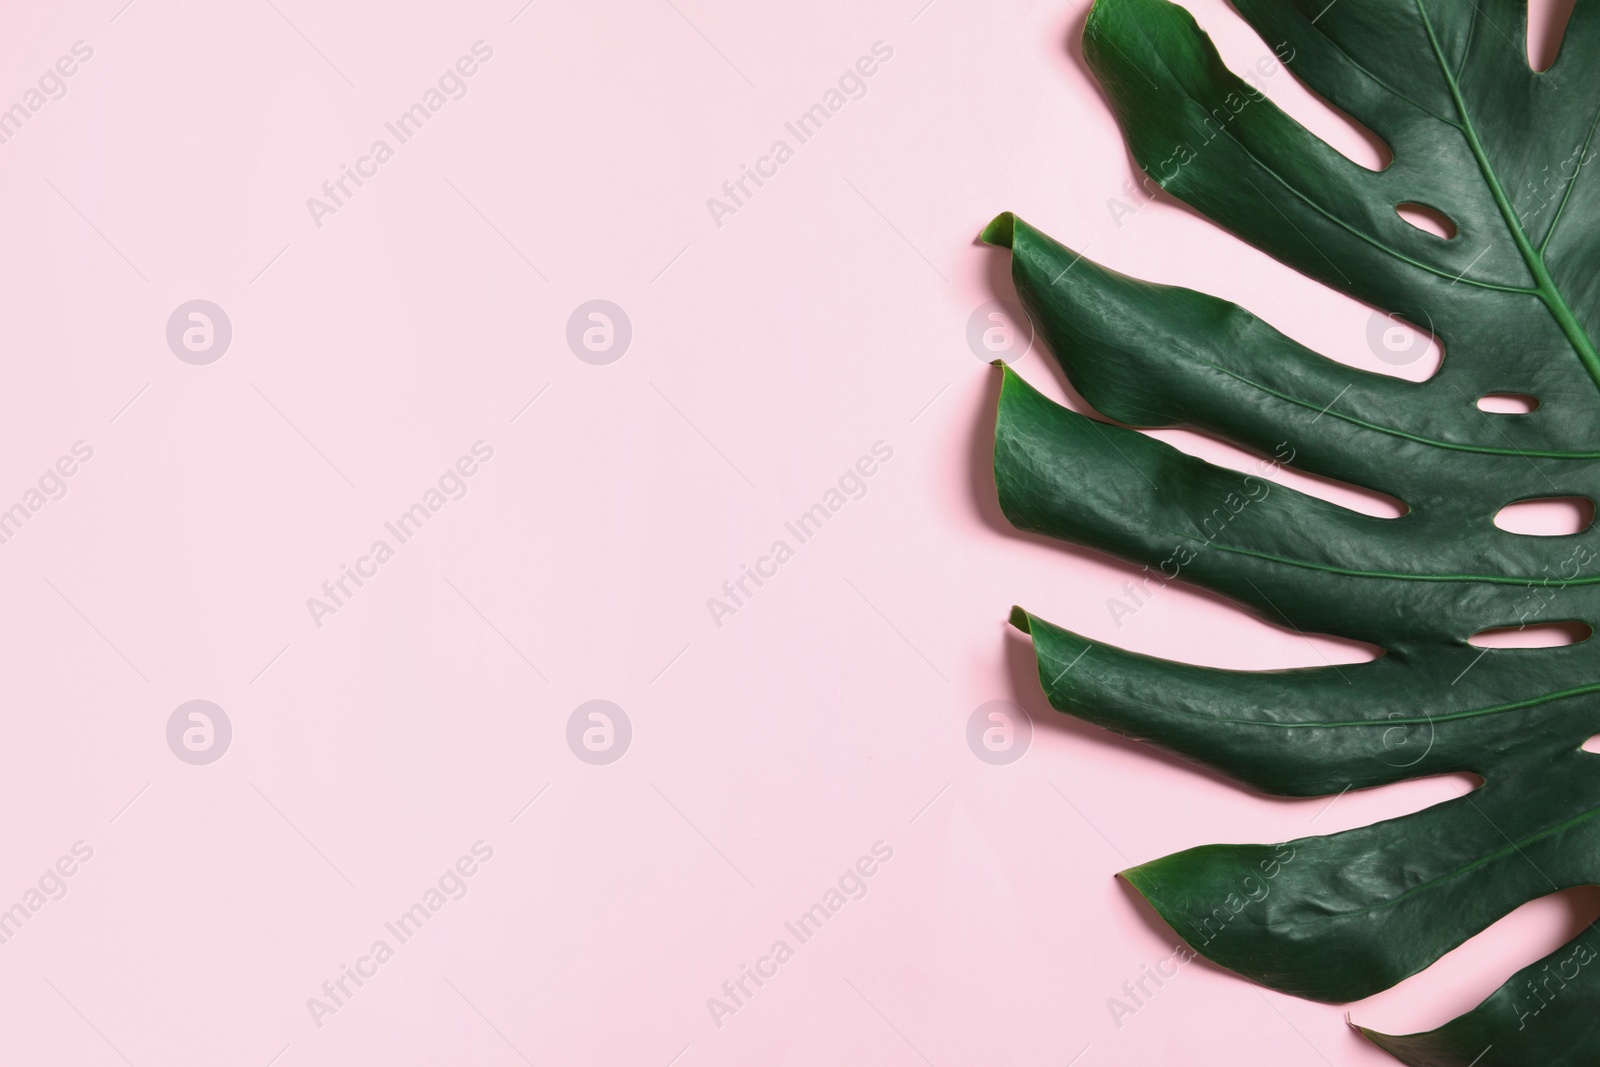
(1548, 292)
(1379, 428)
(1426, 720)
(1357, 233)
(1511, 846)
(1491, 579)
(1572, 183)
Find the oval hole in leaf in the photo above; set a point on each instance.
(1430, 219)
(1543, 635)
(1547, 24)
(1508, 403)
(1554, 516)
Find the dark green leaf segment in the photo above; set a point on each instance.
(1507, 153)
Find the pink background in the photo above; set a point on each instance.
(768, 354)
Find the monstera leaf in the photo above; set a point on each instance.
(1514, 300)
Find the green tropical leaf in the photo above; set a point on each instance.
(1514, 299)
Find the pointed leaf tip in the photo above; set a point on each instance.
(1380, 1039)
(1150, 356)
(999, 231)
(1097, 11)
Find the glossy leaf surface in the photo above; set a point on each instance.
(1505, 154)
